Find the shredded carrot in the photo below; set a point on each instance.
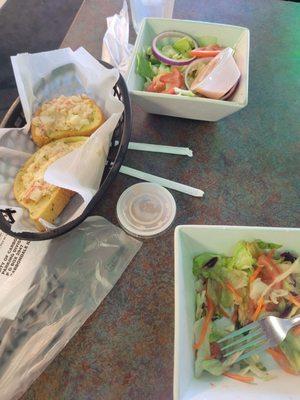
(294, 300)
(256, 273)
(241, 378)
(260, 305)
(281, 360)
(233, 291)
(206, 323)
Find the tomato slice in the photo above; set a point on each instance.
(172, 79)
(165, 83)
(207, 51)
(156, 85)
(200, 53)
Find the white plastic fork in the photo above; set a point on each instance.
(257, 336)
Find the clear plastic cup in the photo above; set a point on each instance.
(150, 8)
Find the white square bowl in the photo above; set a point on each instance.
(191, 240)
(189, 107)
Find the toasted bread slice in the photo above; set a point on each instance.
(42, 199)
(65, 117)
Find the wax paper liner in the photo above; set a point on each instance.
(43, 76)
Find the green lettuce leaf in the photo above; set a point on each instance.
(220, 328)
(267, 246)
(226, 299)
(208, 265)
(143, 66)
(213, 290)
(242, 257)
(184, 92)
(151, 56)
(217, 367)
(214, 367)
(200, 261)
(160, 69)
(183, 45)
(169, 51)
(238, 278)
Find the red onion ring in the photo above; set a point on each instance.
(167, 60)
(230, 92)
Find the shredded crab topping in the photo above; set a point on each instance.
(65, 113)
(33, 178)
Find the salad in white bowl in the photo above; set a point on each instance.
(180, 64)
(233, 291)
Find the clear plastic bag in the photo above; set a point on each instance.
(77, 272)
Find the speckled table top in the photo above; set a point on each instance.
(248, 165)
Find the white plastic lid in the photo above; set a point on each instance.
(146, 209)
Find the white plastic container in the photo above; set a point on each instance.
(191, 107)
(222, 77)
(191, 240)
(146, 210)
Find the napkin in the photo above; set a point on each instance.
(116, 49)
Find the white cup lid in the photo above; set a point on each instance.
(146, 209)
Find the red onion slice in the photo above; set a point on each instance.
(170, 61)
(230, 92)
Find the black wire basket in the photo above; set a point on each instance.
(119, 145)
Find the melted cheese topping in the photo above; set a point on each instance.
(33, 178)
(65, 113)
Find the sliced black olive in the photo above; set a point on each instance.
(211, 263)
(287, 256)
